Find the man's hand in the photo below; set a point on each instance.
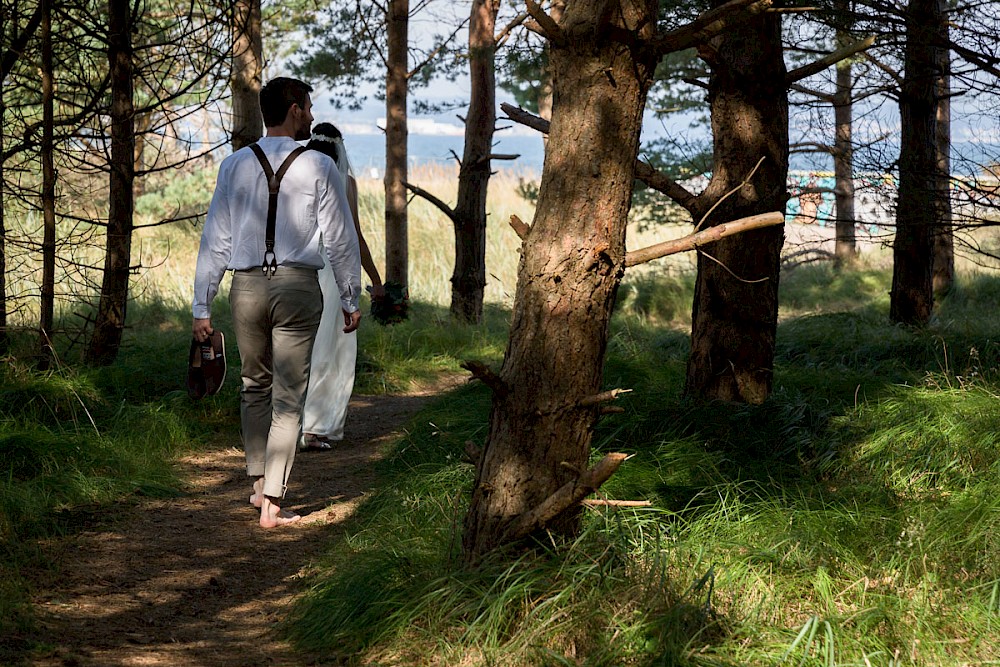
(202, 329)
(351, 320)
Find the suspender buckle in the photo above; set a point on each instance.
(269, 267)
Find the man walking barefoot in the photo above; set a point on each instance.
(270, 204)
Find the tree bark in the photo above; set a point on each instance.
(845, 246)
(396, 88)
(4, 336)
(571, 264)
(47, 305)
(110, 322)
(469, 277)
(246, 78)
(912, 296)
(944, 239)
(545, 91)
(735, 311)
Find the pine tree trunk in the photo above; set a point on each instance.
(944, 239)
(571, 264)
(556, 10)
(469, 277)
(396, 224)
(48, 287)
(4, 336)
(912, 296)
(246, 78)
(845, 247)
(735, 312)
(110, 323)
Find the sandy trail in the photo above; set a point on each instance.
(194, 581)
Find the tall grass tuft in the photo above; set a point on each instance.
(850, 520)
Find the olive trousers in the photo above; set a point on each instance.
(275, 320)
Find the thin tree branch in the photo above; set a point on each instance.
(708, 25)
(604, 502)
(19, 43)
(729, 194)
(434, 54)
(547, 25)
(704, 237)
(643, 171)
(818, 94)
(893, 74)
(444, 208)
(503, 34)
(830, 59)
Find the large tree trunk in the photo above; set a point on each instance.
(469, 278)
(556, 10)
(845, 247)
(571, 264)
(912, 296)
(245, 80)
(944, 240)
(4, 336)
(110, 323)
(47, 305)
(735, 312)
(396, 88)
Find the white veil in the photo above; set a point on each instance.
(339, 153)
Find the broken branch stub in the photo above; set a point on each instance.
(485, 374)
(566, 496)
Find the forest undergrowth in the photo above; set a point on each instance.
(852, 519)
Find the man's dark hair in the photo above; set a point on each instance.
(278, 96)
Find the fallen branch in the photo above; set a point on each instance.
(565, 497)
(704, 237)
(601, 502)
(612, 410)
(485, 374)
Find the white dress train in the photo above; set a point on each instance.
(331, 376)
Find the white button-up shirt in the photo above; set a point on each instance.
(312, 205)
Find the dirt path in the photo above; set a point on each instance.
(193, 581)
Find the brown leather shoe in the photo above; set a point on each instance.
(206, 366)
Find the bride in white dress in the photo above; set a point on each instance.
(331, 377)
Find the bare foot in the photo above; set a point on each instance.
(257, 497)
(272, 516)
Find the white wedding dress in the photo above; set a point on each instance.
(331, 376)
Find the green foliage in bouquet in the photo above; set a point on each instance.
(393, 307)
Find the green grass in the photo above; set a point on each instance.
(850, 520)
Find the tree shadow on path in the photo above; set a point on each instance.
(193, 580)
